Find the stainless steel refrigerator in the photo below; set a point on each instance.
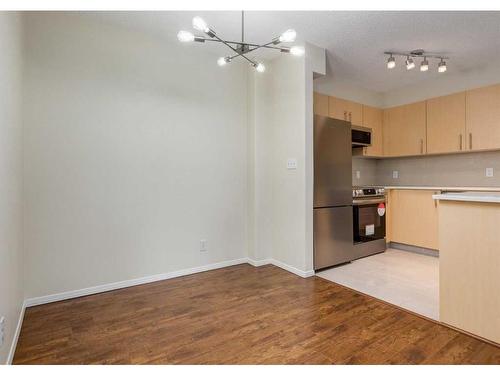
(333, 227)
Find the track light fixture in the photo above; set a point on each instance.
(240, 48)
(410, 63)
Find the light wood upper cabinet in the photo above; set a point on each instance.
(346, 110)
(405, 130)
(483, 118)
(320, 104)
(412, 218)
(446, 124)
(373, 119)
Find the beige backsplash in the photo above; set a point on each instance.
(440, 170)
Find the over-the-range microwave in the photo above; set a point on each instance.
(361, 136)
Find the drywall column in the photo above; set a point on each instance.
(11, 281)
(280, 103)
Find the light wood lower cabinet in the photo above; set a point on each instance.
(469, 267)
(412, 218)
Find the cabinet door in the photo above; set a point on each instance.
(446, 123)
(483, 118)
(373, 119)
(320, 104)
(413, 218)
(346, 110)
(405, 130)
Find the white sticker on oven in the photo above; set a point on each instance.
(381, 209)
(370, 230)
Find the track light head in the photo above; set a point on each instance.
(410, 64)
(424, 66)
(442, 66)
(391, 62)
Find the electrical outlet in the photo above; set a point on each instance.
(395, 174)
(489, 172)
(203, 245)
(358, 175)
(2, 330)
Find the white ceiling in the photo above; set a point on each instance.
(355, 41)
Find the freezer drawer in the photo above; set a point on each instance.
(333, 234)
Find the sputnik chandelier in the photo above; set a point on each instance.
(242, 48)
(418, 53)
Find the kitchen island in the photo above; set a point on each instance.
(469, 264)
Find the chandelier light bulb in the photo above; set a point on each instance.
(424, 66)
(442, 67)
(410, 64)
(200, 24)
(259, 67)
(185, 36)
(391, 62)
(297, 50)
(288, 36)
(223, 61)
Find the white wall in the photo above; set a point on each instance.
(135, 149)
(335, 85)
(280, 199)
(11, 288)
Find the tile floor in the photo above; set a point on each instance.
(399, 277)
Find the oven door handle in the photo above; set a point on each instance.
(364, 202)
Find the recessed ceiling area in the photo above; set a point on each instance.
(354, 40)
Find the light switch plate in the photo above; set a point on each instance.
(358, 175)
(489, 172)
(395, 174)
(291, 164)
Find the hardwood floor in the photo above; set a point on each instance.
(243, 315)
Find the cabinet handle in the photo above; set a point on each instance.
(350, 116)
(460, 142)
(421, 146)
(470, 141)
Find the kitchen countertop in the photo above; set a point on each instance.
(470, 196)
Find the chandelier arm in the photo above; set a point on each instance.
(239, 43)
(257, 46)
(234, 49)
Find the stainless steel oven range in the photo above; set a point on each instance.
(368, 213)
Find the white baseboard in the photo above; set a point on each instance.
(292, 269)
(127, 283)
(277, 263)
(260, 262)
(164, 276)
(13, 345)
